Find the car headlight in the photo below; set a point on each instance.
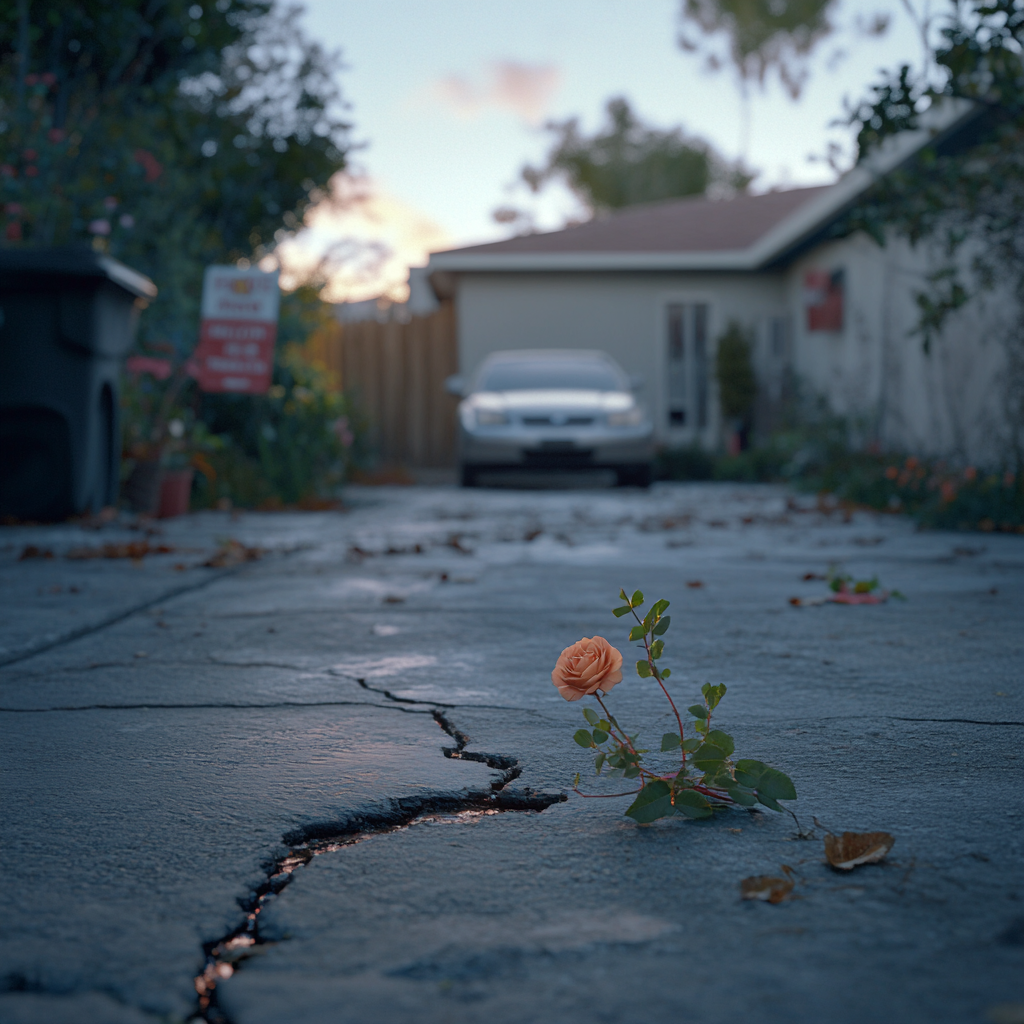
(491, 418)
(629, 418)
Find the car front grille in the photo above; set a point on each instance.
(551, 421)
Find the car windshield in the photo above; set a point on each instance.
(521, 375)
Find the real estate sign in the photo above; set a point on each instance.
(237, 331)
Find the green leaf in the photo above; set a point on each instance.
(742, 796)
(692, 804)
(698, 710)
(656, 648)
(649, 619)
(600, 736)
(662, 627)
(637, 633)
(708, 755)
(619, 612)
(659, 606)
(622, 594)
(768, 802)
(754, 767)
(582, 737)
(652, 802)
(637, 599)
(599, 762)
(722, 740)
(576, 779)
(715, 694)
(669, 741)
(591, 716)
(643, 669)
(631, 772)
(776, 785)
(665, 672)
(705, 689)
(691, 745)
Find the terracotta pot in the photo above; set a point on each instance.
(175, 490)
(142, 488)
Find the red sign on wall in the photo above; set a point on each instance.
(823, 299)
(237, 332)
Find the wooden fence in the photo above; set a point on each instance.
(395, 372)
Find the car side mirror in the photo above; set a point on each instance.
(455, 385)
(636, 382)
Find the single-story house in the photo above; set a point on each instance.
(656, 285)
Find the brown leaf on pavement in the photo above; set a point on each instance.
(695, 584)
(767, 888)
(31, 551)
(135, 550)
(852, 849)
(232, 552)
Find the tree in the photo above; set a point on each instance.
(628, 162)
(761, 35)
(965, 200)
(171, 134)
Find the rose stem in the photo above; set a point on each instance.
(654, 672)
(625, 739)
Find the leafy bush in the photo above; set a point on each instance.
(824, 457)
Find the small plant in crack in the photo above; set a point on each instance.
(705, 776)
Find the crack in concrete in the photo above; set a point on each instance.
(240, 707)
(401, 700)
(113, 620)
(223, 956)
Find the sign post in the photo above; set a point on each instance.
(237, 331)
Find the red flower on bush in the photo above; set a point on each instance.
(55, 135)
(8, 171)
(149, 164)
(30, 154)
(31, 171)
(13, 231)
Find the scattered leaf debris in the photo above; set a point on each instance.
(852, 849)
(233, 552)
(695, 584)
(31, 551)
(135, 550)
(768, 888)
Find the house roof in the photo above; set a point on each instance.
(743, 233)
(695, 224)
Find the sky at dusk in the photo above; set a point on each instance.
(448, 101)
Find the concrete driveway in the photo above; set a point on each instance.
(329, 783)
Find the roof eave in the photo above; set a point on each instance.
(938, 123)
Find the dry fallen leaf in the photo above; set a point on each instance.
(851, 849)
(135, 550)
(232, 552)
(695, 584)
(31, 551)
(765, 887)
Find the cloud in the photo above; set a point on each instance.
(361, 241)
(524, 89)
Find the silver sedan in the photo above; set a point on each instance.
(552, 409)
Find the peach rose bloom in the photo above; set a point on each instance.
(591, 664)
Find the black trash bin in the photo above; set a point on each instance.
(67, 317)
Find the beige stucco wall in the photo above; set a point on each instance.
(874, 369)
(621, 314)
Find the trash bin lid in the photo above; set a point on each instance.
(75, 261)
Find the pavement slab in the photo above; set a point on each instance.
(372, 699)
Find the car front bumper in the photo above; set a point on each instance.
(554, 449)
